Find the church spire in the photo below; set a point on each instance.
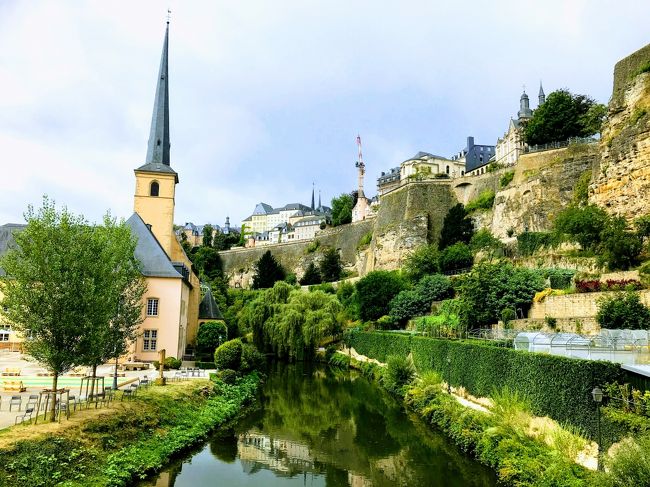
(542, 95)
(158, 149)
(313, 205)
(320, 206)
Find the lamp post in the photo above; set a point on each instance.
(448, 375)
(597, 394)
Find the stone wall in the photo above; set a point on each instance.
(238, 264)
(580, 305)
(624, 72)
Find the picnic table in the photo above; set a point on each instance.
(13, 385)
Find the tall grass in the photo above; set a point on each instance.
(629, 464)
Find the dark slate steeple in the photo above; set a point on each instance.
(524, 107)
(313, 204)
(158, 150)
(542, 95)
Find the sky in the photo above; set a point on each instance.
(267, 97)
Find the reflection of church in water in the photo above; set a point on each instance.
(285, 458)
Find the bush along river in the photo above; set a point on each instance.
(323, 427)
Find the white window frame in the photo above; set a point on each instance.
(150, 340)
(153, 307)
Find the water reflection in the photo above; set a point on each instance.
(323, 428)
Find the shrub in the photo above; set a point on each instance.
(346, 294)
(491, 287)
(291, 279)
(550, 322)
(399, 372)
(588, 286)
(251, 358)
(170, 363)
(583, 224)
(313, 246)
(623, 311)
(210, 335)
(630, 463)
(375, 291)
(424, 260)
(456, 256)
(559, 278)
(530, 242)
(484, 201)
(483, 240)
(482, 368)
(228, 355)
(507, 315)
(506, 178)
(326, 287)
(406, 305)
(620, 248)
(644, 68)
(386, 322)
(311, 275)
(435, 287)
(228, 376)
(364, 241)
(581, 189)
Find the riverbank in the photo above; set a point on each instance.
(127, 442)
(522, 449)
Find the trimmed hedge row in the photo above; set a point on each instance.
(558, 387)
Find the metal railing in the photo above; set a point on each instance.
(560, 144)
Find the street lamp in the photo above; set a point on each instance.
(448, 375)
(597, 394)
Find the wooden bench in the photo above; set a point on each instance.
(11, 371)
(13, 385)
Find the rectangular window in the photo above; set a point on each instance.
(4, 337)
(152, 307)
(150, 340)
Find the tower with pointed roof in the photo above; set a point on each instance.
(313, 204)
(541, 97)
(524, 107)
(155, 180)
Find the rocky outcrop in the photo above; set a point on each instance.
(622, 183)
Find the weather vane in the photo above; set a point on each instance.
(169, 15)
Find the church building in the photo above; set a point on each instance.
(171, 303)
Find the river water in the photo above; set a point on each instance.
(321, 427)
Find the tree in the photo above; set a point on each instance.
(619, 248)
(64, 286)
(330, 265)
(207, 262)
(456, 227)
(119, 285)
(375, 291)
(417, 301)
(564, 115)
(456, 256)
(623, 311)
(484, 241)
(491, 287)
(267, 271)
(342, 209)
(211, 335)
(208, 230)
(425, 260)
(582, 223)
(311, 276)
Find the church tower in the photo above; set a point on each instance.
(155, 181)
(524, 107)
(542, 95)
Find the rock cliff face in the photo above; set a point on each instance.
(621, 185)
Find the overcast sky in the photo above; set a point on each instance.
(268, 96)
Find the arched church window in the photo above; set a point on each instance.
(154, 189)
(447, 169)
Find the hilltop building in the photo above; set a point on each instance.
(512, 146)
(475, 157)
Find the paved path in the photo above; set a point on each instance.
(35, 384)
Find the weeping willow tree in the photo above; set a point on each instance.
(291, 323)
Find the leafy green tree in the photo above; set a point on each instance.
(208, 230)
(208, 262)
(484, 241)
(456, 227)
(342, 209)
(57, 292)
(623, 311)
(424, 261)
(185, 244)
(375, 291)
(311, 276)
(406, 305)
(211, 335)
(330, 265)
(491, 287)
(455, 257)
(267, 271)
(582, 223)
(564, 115)
(435, 287)
(619, 248)
(117, 312)
(642, 225)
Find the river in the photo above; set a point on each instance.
(320, 427)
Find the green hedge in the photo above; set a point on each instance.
(558, 387)
(204, 365)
